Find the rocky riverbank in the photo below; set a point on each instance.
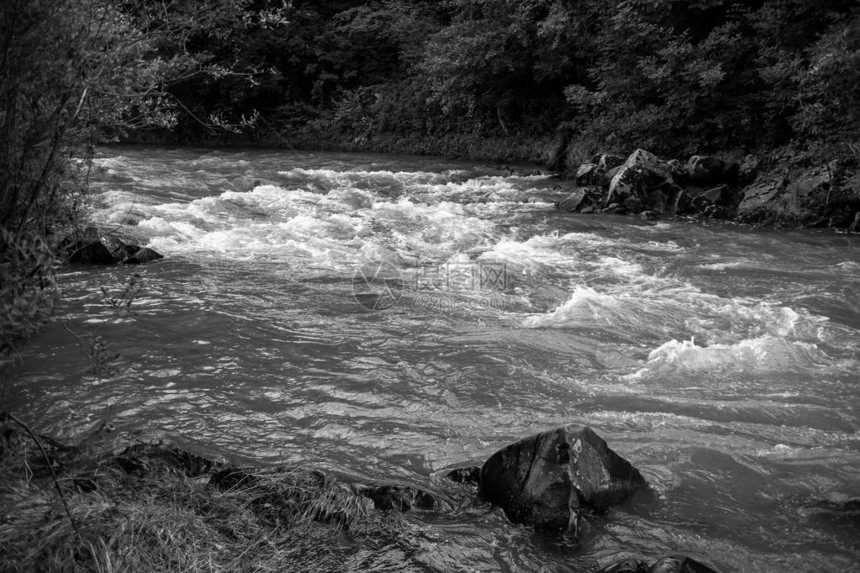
(783, 190)
(151, 506)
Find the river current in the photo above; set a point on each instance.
(383, 317)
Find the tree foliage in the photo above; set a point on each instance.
(674, 76)
(73, 72)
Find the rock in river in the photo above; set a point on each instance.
(646, 178)
(546, 480)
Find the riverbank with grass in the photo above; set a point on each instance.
(158, 508)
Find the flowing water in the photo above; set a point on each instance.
(382, 317)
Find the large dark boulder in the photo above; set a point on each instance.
(548, 479)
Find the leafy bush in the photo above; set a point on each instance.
(680, 78)
(73, 72)
(27, 287)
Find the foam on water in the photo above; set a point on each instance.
(338, 225)
(721, 362)
(759, 355)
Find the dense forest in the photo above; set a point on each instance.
(481, 79)
(672, 76)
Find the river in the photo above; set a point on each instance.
(382, 317)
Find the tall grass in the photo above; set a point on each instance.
(162, 514)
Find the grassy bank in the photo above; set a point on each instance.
(157, 508)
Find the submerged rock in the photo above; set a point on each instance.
(671, 564)
(548, 479)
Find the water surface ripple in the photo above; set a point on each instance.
(722, 362)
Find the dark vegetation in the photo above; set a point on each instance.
(158, 508)
(673, 77)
